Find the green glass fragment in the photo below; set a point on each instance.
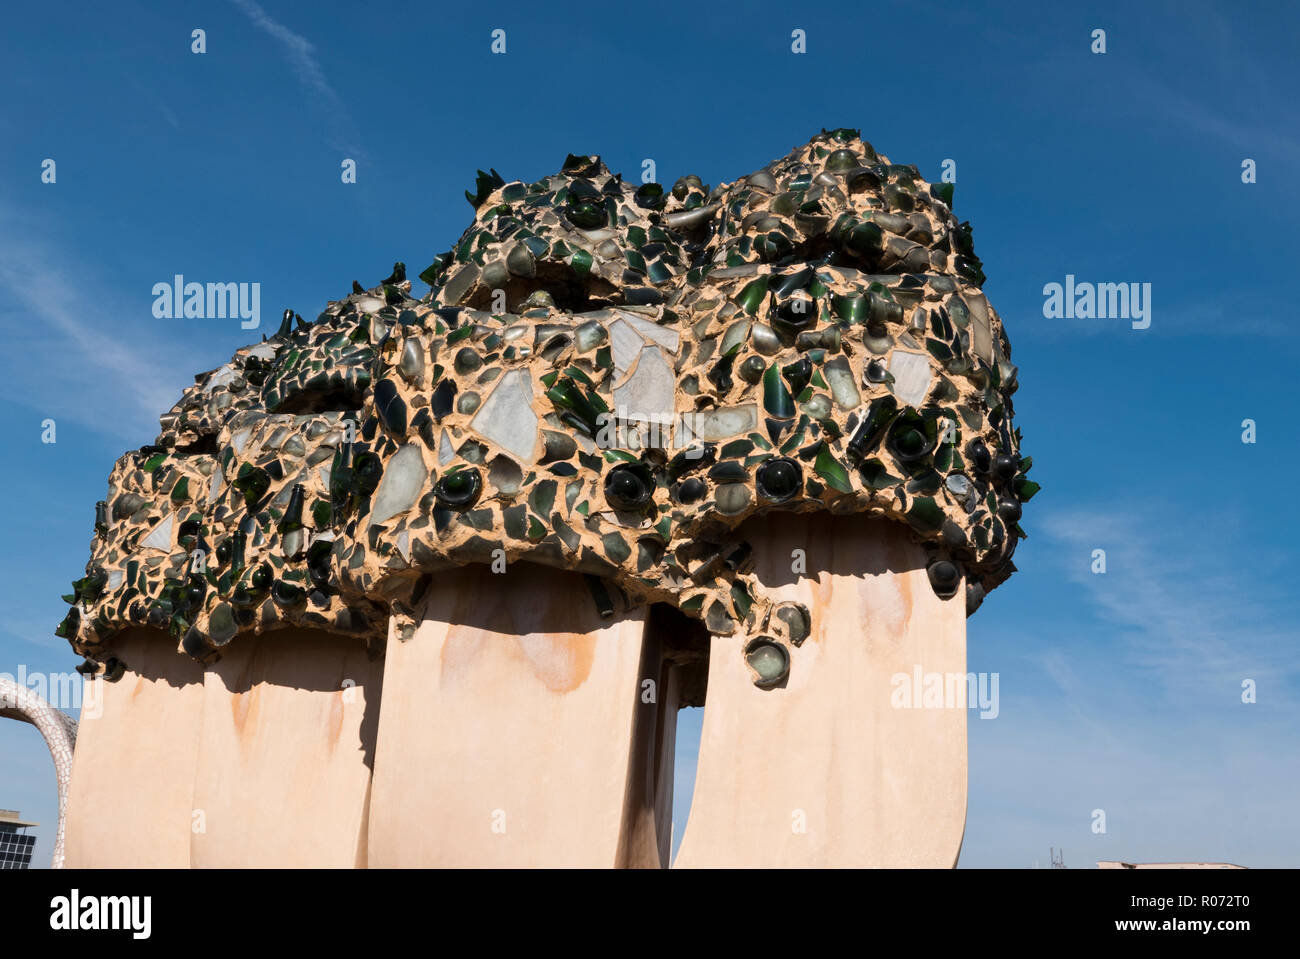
(1025, 489)
(776, 398)
(875, 475)
(925, 514)
(831, 470)
(751, 296)
(741, 600)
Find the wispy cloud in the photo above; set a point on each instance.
(149, 94)
(88, 362)
(33, 630)
(301, 54)
(1249, 110)
(1239, 131)
(1076, 692)
(1184, 612)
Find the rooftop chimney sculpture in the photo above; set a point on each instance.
(437, 573)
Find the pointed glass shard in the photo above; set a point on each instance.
(507, 418)
(648, 394)
(161, 537)
(911, 372)
(404, 479)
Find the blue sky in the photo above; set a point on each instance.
(1119, 691)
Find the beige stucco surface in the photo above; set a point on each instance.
(284, 760)
(261, 759)
(507, 729)
(130, 802)
(825, 771)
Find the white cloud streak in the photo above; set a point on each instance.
(1187, 609)
(301, 52)
(301, 55)
(84, 361)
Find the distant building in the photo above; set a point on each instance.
(15, 844)
(1113, 864)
